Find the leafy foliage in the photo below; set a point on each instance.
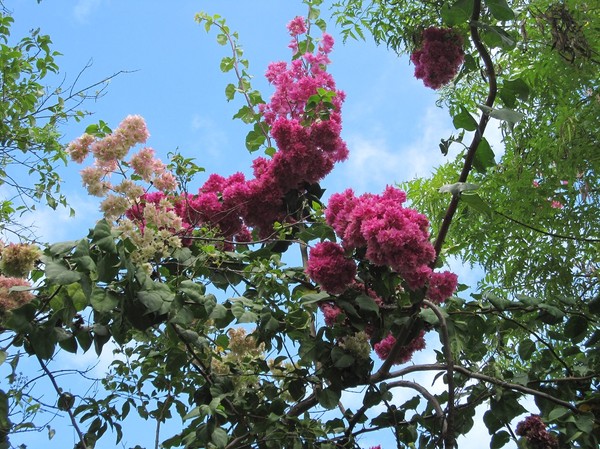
(250, 352)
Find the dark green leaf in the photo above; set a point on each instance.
(328, 398)
(464, 120)
(576, 328)
(500, 10)
(484, 157)
(526, 349)
(500, 439)
(458, 12)
(474, 201)
(58, 273)
(103, 300)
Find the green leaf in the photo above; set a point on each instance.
(500, 439)
(328, 398)
(464, 120)
(58, 273)
(230, 91)
(498, 302)
(2, 357)
(311, 298)
(219, 438)
(484, 157)
(576, 328)
(500, 10)
(474, 201)
(367, 303)
(457, 13)
(341, 359)
(157, 297)
(102, 236)
(193, 290)
(62, 248)
(103, 300)
(526, 349)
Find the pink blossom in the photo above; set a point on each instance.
(384, 347)
(330, 312)
(165, 182)
(534, 430)
(297, 26)
(132, 130)
(564, 183)
(93, 180)
(143, 163)
(80, 147)
(441, 286)
(556, 204)
(328, 266)
(439, 58)
(535, 183)
(393, 236)
(12, 299)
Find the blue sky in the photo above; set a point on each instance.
(391, 123)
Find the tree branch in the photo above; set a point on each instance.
(483, 121)
(59, 392)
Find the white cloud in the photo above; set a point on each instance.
(212, 139)
(84, 9)
(51, 226)
(374, 162)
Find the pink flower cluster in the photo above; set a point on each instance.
(110, 151)
(308, 146)
(330, 268)
(14, 299)
(439, 58)
(534, 431)
(393, 236)
(384, 347)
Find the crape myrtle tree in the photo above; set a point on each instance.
(212, 323)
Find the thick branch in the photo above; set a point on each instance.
(483, 121)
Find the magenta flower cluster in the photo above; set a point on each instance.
(308, 147)
(307, 137)
(392, 235)
(379, 229)
(534, 431)
(439, 58)
(384, 347)
(329, 267)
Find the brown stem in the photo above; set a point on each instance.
(483, 121)
(449, 438)
(60, 392)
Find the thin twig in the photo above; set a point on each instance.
(60, 392)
